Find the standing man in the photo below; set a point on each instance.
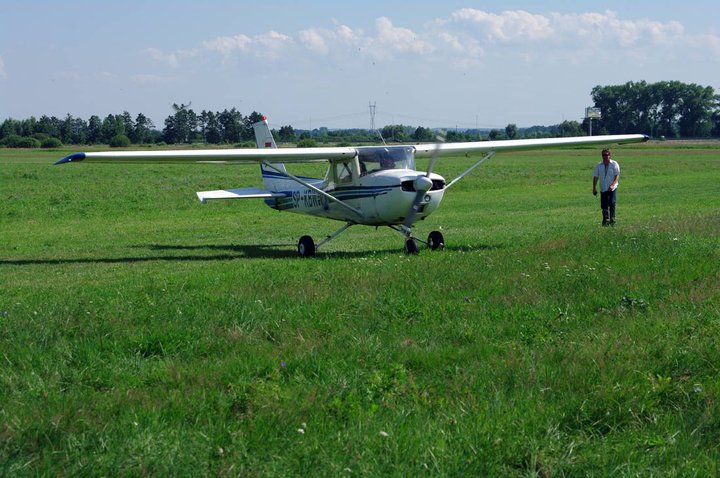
(608, 171)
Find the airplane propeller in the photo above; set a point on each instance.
(422, 185)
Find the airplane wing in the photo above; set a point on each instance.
(221, 156)
(520, 144)
(304, 155)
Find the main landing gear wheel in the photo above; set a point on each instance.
(411, 246)
(306, 246)
(436, 241)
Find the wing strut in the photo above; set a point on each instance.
(314, 188)
(469, 170)
(334, 235)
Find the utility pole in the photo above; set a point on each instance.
(372, 121)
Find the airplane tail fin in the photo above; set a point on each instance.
(263, 135)
(272, 179)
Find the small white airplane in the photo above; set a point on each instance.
(369, 185)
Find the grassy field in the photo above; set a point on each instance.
(144, 333)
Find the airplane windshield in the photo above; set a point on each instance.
(377, 158)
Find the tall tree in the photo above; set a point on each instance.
(10, 127)
(73, 130)
(94, 134)
(716, 121)
(231, 123)
(142, 130)
(111, 128)
(423, 134)
(393, 132)
(569, 128)
(286, 134)
(696, 109)
(49, 126)
(128, 124)
(181, 126)
(210, 126)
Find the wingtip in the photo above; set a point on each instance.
(71, 158)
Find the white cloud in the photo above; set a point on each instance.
(340, 40)
(709, 44)
(466, 36)
(508, 26)
(313, 41)
(400, 39)
(271, 44)
(146, 79)
(608, 28)
(521, 26)
(170, 59)
(386, 42)
(578, 38)
(3, 72)
(348, 35)
(227, 45)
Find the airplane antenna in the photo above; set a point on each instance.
(372, 121)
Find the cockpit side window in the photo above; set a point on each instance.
(343, 172)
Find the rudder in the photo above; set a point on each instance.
(264, 139)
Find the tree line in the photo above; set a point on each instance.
(668, 109)
(50, 131)
(403, 133)
(183, 126)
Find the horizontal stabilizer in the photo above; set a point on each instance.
(242, 193)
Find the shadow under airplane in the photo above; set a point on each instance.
(231, 252)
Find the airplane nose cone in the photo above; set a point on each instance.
(422, 183)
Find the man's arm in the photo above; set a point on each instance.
(613, 184)
(595, 178)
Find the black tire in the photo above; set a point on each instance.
(411, 246)
(436, 241)
(306, 246)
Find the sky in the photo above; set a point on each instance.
(447, 63)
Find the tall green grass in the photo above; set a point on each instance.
(144, 333)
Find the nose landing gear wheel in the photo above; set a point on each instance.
(306, 246)
(436, 241)
(411, 246)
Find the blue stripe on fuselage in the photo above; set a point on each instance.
(342, 193)
(276, 175)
